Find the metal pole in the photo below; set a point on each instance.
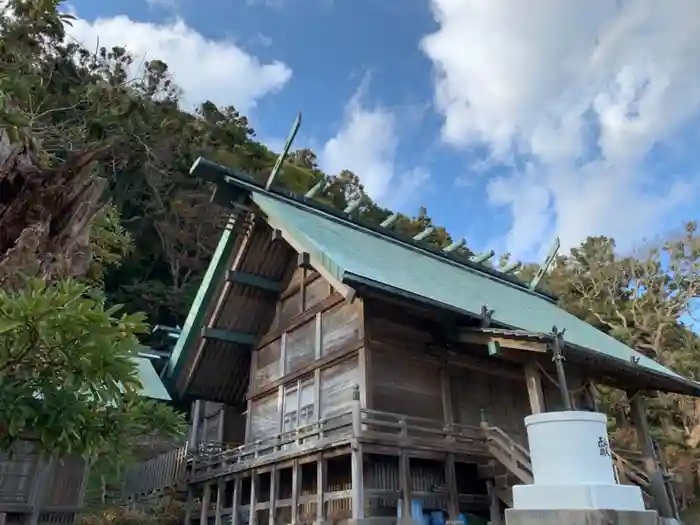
(558, 359)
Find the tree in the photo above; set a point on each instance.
(645, 299)
(66, 376)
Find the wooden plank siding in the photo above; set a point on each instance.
(412, 374)
(306, 366)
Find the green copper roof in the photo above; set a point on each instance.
(151, 385)
(361, 255)
(357, 256)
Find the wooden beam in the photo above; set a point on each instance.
(220, 487)
(327, 360)
(358, 482)
(252, 516)
(482, 257)
(343, 289)
(495, 506)
(533, 380)
(446, 393)
(405, 486)
(320, 488)
(276, 235)
(302, 318)
(304, 261)
(504, 342)
(274, 482)
(188, 506)
(254, 281)
(424, 234)
(285, 150)
(542, 270)
(651, 462)
(452, 492)
(363, 382)
(236, 500)
(454, 246)
(494, 348)
(206, 499)
(296, 474)
(220, 334)
(389, 221)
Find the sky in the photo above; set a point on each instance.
(513, 122)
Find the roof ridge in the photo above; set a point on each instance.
(220, 174)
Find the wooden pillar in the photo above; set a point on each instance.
(220, 486)
(252, 518)
(358, 504)
(405, 486)
(533, 380)
(274, 477)
(204, 510)
(495, 504)
(446, 394)
(188, 507)
(194, 427)
(657, 485)
(220, 424)
(452, 492)
(296, 471)
(320, 489)
(236, 501)
(592, 400)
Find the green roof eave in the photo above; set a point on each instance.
(195, 318)
(151, 385)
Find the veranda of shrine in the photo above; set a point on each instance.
(339, 371)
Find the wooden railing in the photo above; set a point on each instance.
(511, 454)
(411, 431)
(164, 472)
(301, 439)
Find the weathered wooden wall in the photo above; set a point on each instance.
(306, 365)
(409, 376)
(217, 423)
(30, 483)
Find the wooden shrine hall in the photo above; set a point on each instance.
(339, 371)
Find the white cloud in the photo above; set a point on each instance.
(366, 144)
(205, 69)
(584, 90)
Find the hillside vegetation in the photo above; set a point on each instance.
(147, 238)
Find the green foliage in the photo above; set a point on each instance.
(66, 373)
(109, 244)
(152, 248)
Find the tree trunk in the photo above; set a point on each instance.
(45, 214)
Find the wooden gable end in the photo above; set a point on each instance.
(306, 366)
(218, 363)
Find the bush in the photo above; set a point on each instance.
(167, 513)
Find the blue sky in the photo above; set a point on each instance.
(511, 123)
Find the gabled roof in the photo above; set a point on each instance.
(356, 256)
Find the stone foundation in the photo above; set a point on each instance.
(581, 517)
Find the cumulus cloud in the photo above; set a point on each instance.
(219, 71)
(366, 144)
(572, 97)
